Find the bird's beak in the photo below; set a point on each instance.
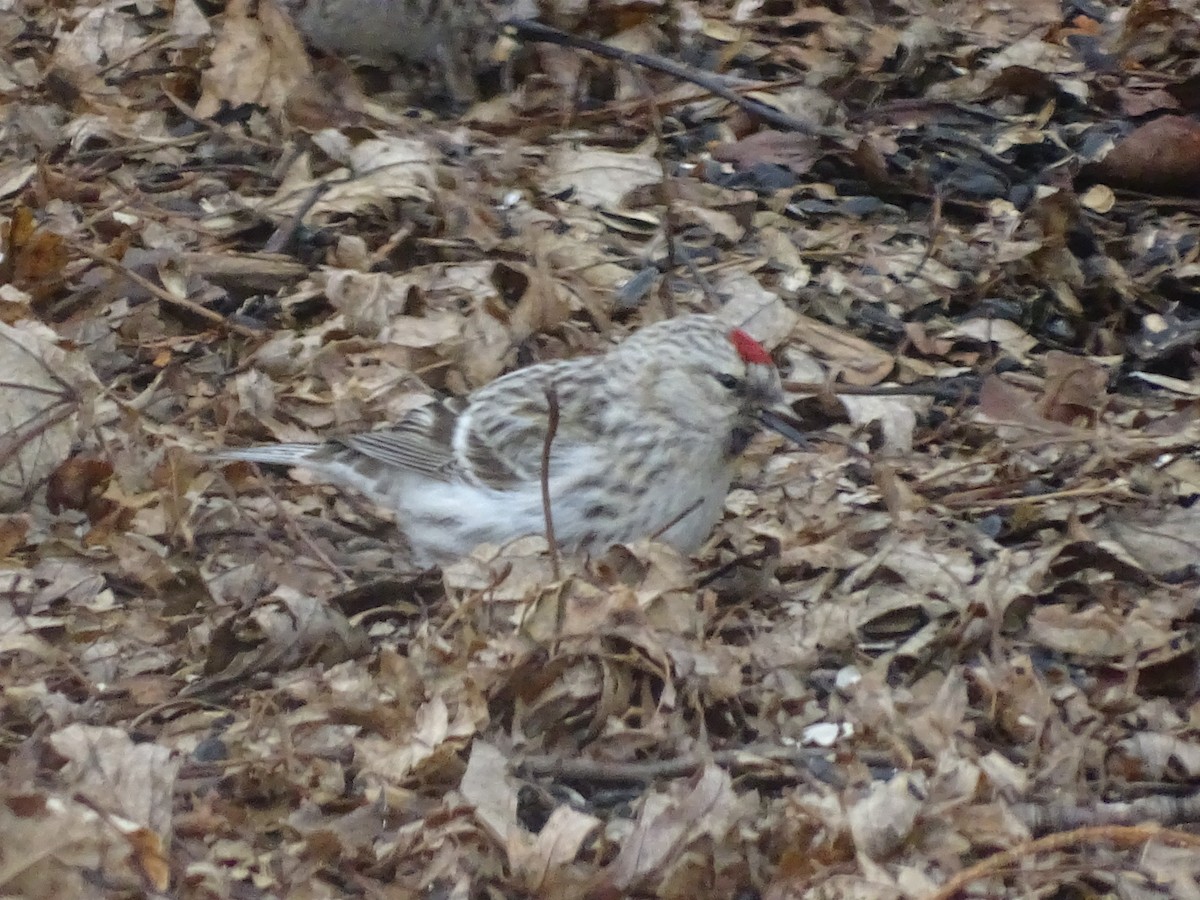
(785, 424)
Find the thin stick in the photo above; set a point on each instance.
(282, 238)
(536, 32)
(964, 501)
(741, 560)
(935, 388)
(935, 231)
(687, 511)
(151, 44)
(292, 525)
(1125, 836)
(551, 430)
(670, 220)
(741, 759)
(166, 297)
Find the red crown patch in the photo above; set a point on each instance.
(749, 349)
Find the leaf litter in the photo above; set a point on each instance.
(948, 649)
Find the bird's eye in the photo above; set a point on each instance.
(726, 381)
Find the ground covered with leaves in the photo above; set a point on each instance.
(948, 649)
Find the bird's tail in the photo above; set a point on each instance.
(268, 454)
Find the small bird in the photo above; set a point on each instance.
(453, 37)
(644, 446)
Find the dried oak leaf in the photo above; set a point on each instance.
(1160, 157)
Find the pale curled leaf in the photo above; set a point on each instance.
(257, 59)
(42, 387)
(486, 786)
(667, 824)
(600, 177)
(881, 821)
(134, 781)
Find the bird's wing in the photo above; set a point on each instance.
(502, 460)
(506, 424)
(421, 442)
(510, 419)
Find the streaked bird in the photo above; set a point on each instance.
(645, 444)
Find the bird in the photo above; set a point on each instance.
(453, 37)
(643, 445)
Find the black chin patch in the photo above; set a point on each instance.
(739, 439)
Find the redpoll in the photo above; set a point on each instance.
(645, 443)
(455, 37)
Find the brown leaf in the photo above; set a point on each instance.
(1160, 157)
(32, 258)
(77, 483)
(1075, 386)
(796, 152)
(13, 530)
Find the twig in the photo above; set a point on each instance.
(167, 297)
(670, 218)
(551, 430)
(208, 126)
(127, 150)
(649, 770)
(292, 525)
(1165, 810)
(742, 758)
(536, 32)
(284, 234)
(951, 387)
(740, 560)
(68, 399)
(675, 520)
(1124, 836)
(706, 286)
(965, 501)
(151, 44)
(935, 231)
(12, 443)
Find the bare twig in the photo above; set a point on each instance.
(284, 234)
(974, 500)
(670, 219)
(167, 297)
(675, 520)
(126, 151)
(935, 232)
(551, 430)
(1165, 810)
(706, 286)
(291, 524)
(208, 125)
(1124, 836)
(924, 389)
(741, 560)
(536, 32)
(742, 759)
(149, 45)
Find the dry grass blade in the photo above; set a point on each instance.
(552, 412)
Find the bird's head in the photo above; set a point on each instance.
(702, 374)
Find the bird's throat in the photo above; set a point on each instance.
(739, 439)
